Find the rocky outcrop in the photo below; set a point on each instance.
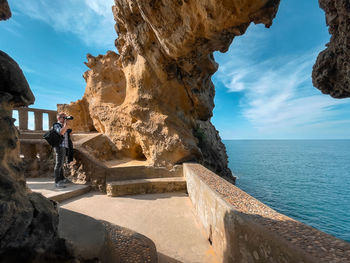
(155, 99)
(14, 87)
(331, 72)
(5, 12)
(28, 221)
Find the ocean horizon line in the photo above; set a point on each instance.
(345, 139)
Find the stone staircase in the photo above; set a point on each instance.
(121, 177)
(32, 137)
(132, 180)
(47, 188)
(145, 186)
(130, 177)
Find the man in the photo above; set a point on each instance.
(61, 127)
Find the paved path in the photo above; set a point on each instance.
(46, 186)
(167, 219)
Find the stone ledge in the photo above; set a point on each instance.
(245, 219)
(46, 187)
(34, 141)
(142, 172)
(146, 186)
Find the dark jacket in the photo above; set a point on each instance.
(70, 147)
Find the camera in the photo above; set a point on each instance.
(68, 118)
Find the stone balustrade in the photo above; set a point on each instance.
(38, 118)
(35, 152)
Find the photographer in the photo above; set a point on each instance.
(62, 128)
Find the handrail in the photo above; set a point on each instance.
(38, 118)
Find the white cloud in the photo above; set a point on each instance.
(277, 94)
(90, 20)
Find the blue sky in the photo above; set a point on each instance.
(263, 85)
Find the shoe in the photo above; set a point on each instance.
(60, 185)
(66, 181)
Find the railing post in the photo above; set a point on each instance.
(38, 121)
(52, 119)
(23, 118)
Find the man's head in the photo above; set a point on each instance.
(60, 117)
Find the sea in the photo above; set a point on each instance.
(308, 180)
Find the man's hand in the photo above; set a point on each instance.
(66, 123)
(65, 127)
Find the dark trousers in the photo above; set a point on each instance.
(60, 156)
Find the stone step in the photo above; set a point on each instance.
(79, 190)
(82, 138)
(33, 141)
(142, 172)
(146, 186)
(31, 135)
(46, 187)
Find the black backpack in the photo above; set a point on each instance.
(52, 137)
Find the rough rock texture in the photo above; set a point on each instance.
(28, 221)
(80, 111)
(14, 87)
(5, 12)
(156, 98)
(37, 159)
(331, 73)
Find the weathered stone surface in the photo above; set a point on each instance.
(37, 158)
(331, 72)
(146, 186)
(5, 12)
(155, 99)
(80, 111)
(28, 221)
(14, 87)
(242, 229)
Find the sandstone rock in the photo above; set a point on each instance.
(331, 72)
(155, 99)
(37, 159)
(5, 12)
(14, 87)
(28, 221)
(80, 111)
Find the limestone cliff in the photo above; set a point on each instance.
(155, 99)
(331, 73)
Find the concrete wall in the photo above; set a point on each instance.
(242, 229)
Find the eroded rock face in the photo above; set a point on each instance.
(156, 98)
(331, 72)
(5, 12)
(28, 221)
(14, 87)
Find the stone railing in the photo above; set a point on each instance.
(38, 118)
(242, 229)
(35, 152)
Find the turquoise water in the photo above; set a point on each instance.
(308, 180)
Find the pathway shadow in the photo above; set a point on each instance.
(166, 259)
(97, 239)
(87, 195)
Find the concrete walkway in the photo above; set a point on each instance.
(46, 187)
(167, 219)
